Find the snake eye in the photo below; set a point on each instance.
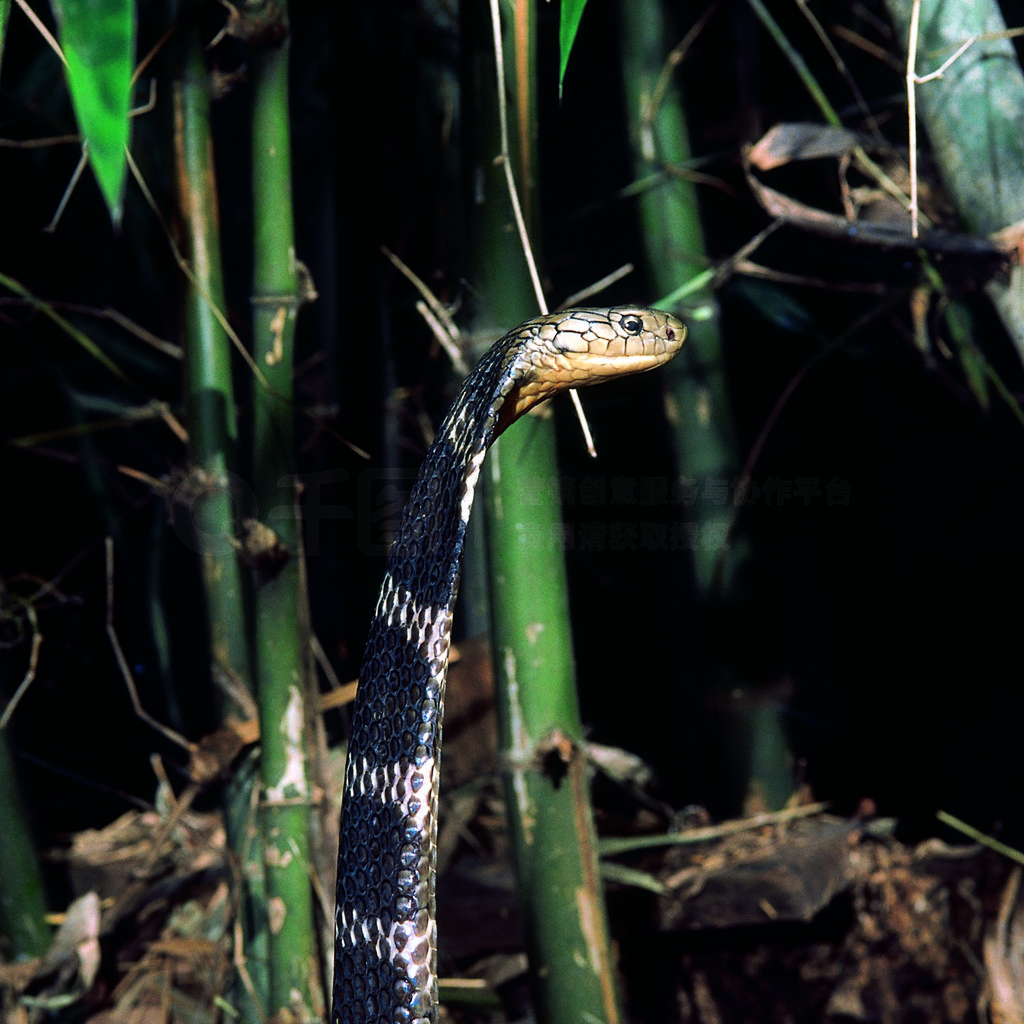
(632, 324)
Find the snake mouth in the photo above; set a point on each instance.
(594, 369)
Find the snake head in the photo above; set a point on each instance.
(578, 347)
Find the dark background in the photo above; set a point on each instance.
(891, 617)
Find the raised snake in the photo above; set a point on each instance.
(385, 959)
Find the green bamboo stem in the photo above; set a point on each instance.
(674, 241)
(281, 639)
(213, 428)
(540, 735)
(213, 452)
(972, 114)
(706, 448)
(22, 903)
(572, 969)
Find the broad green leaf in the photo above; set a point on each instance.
(570, 14)
(98, 40)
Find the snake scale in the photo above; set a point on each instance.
(385, 966)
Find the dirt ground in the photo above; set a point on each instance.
(795, 917)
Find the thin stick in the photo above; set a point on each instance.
(444, 339)
(30, 672)
(160, 839)
(236, 341)
(745, 251)
(755, 452)
(610, 847)
(433, 311)
(588, 438)
(598, 286)
(122, 662)
(946, 64)
(436, 306)
(915, 21)
(913, 80)
(42, 30)
(83, 160)
(505, 160)
(980, 837)
(672, 61)
(50, 140)
(241, 965)
(797, 62)
(185, 267)
(840, 64)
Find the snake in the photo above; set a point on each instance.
(385, 962)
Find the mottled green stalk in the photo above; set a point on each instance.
(706, 449)
(674, 241)
(22, 904)
(213, 451)
(571, 966)
(546, 784)
(973, 115)
(281, 638)
(212, 423)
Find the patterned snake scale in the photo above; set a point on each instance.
(385, 967)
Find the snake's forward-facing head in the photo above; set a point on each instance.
(578, 347)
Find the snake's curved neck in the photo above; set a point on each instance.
(389, 815)
(385, 969)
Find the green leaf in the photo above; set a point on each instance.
(98, 40)
(5, 13)
(570, 14)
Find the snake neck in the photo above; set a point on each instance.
(385, 929)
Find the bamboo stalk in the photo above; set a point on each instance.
(213, 453)
(973, 114)
(707, 453)
(674, 240)
(572, 970)
(213, 430)
(281, 637)
(545, 777)
(22, 903)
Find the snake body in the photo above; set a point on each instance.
(385, 968)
